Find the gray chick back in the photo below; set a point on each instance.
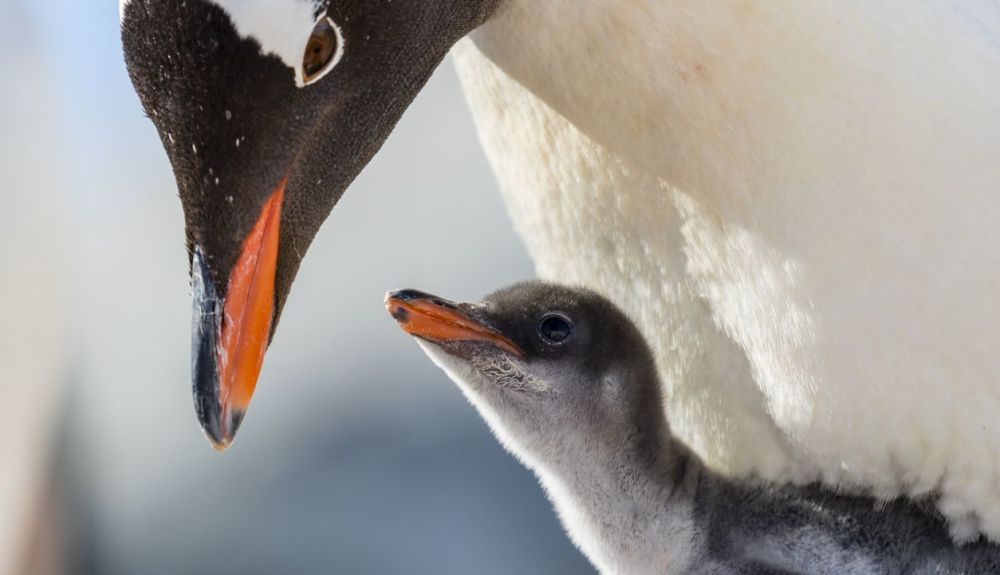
(756, 528)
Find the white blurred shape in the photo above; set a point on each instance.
(32, 257)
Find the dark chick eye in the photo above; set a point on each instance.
(322, 50)
(555, 328)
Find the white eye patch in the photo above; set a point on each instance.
(283, 28)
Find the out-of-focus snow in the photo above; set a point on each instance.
(32, 275)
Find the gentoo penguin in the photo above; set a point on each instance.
(570, 387)
(266, 117)
(795, 201)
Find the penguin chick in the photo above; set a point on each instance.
(570, 387)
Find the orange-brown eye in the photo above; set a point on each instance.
(321, 50)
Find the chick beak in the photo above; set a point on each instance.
(438, 320)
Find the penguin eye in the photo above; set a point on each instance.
(323, 50)
(555, 328)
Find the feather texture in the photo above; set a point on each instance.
(796, 202)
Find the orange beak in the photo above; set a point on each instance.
(434, 319)
(231, 334)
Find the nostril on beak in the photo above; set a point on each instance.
(398, 302)
(399, 313)
(394, 299)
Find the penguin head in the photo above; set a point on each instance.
(554, 370)
(267, 110)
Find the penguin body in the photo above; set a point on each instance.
(569, 386)
(795, 201)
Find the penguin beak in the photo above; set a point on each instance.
(438, 320)
(231, 330)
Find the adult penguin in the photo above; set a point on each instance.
(797, 201)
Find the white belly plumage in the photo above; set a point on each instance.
(799, 203)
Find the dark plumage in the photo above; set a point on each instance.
(237, 126)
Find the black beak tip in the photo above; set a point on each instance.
(219, 424)
(406, 295)
(221, 432)
(213, 432)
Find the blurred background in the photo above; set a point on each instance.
(358, 455)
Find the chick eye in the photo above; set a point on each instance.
(323, 50)
(555, 328)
